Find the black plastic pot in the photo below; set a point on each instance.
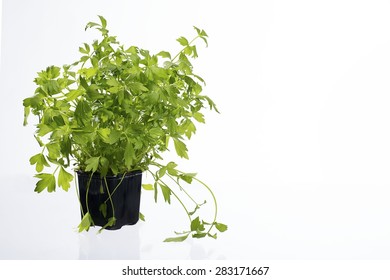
(125, 196)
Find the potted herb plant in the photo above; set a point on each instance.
(110, 116)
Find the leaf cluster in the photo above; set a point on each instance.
(115, 110)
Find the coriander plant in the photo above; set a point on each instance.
(115, 110)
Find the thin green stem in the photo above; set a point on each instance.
(56, 169)
(117, 186)
(184, 48)
(109, 196)
(215, 203)
(86, 195)
(177, 197)
(181, 188)
(78, 193)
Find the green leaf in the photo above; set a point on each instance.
(183, 41)
(114, 137)
(147, 187)
(84, 58)
(199, 117)
(155, 132)
(171, 168)
(167, 141)
(129, 154)
(47, 181)
(103, 209)
(111, 221)
(40, 161)
(195, 224)
(92, 164)
(159, 72)
(141, 217)
(187, 50)
(87, 48)
(109, 136)
(81, 50)
(197, 30)
(83, 83)
(90, 25)
(53, 72)
(43, 129)
(176, 239)
(82, 113)
(155, 192)
(113, 82)
(191, 129)
(103, 21)
(204, 39)
(197, 88)
(164, 54)
(199, 235)
(162, 171)
(85, 223)
(90, 72)
(39, 141)
(137, 87)
(211, 103)
(187, 177)
(26, 114)
(104, 163)
(154, 97)
(181, 148)
(220, 227)
(194, 52)
(104, 134)
(166, 193)
(64, 179)
(54, 150)
(193, 212)
(32, 102)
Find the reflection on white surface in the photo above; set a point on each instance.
(200, 252)
(292, 222)
(118, 244)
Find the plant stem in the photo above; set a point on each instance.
(86, 195)
(184, 48)
(215, 203)
(56, 169)
(181, 188)
(177, 197)
(109, 196)
(78, 193)
(117, 186)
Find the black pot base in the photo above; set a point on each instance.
(125, 197)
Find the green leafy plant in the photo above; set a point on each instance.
(116, 110)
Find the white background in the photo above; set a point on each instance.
(298, 157)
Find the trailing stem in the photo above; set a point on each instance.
(197, 226)
(177, 197)
(87, 193)
(109, 194)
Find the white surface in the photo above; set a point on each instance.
(298, 157)
(1, 21)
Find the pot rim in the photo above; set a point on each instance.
(95, 175)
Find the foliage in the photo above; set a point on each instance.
(115, 110)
